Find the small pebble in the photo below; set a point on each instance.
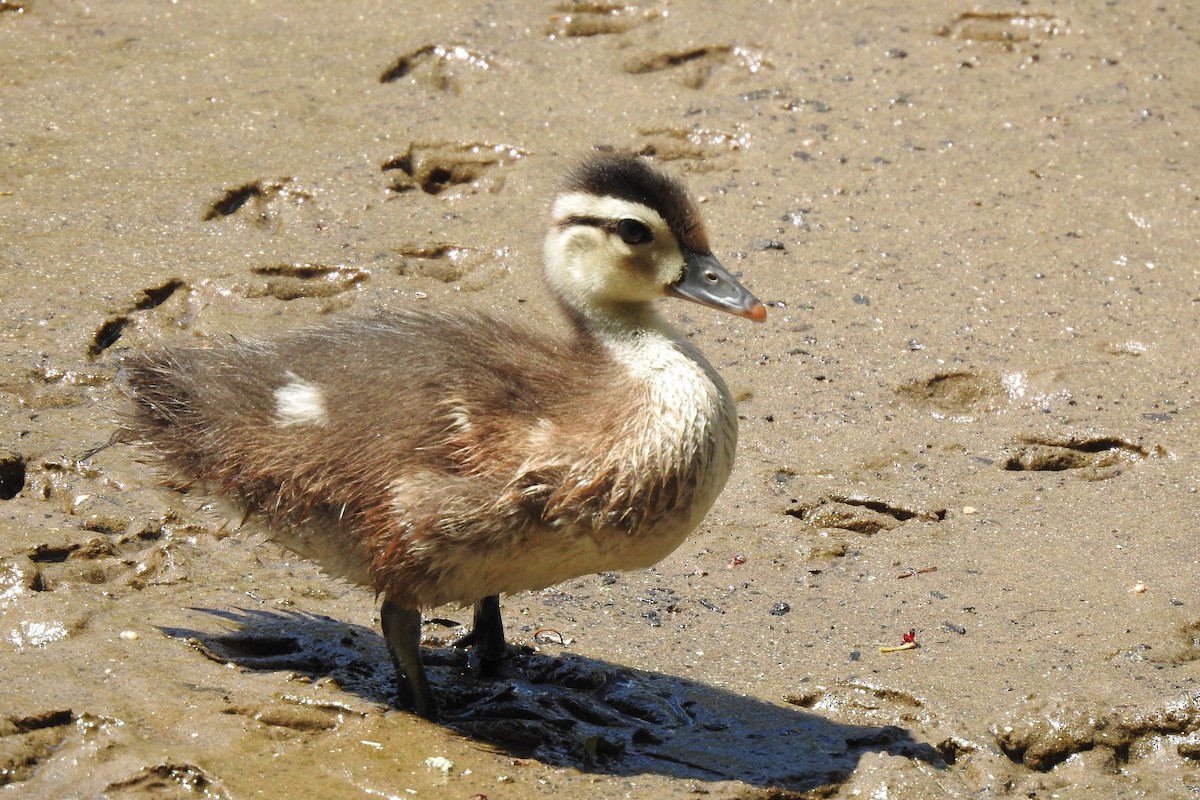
(779, 609)
(950, 627)
(129, 635)
(439, 762)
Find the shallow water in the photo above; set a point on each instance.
(972, 412)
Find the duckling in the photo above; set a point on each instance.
(452, 458)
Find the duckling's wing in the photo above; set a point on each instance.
(328, 415)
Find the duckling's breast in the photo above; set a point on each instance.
(678, 454)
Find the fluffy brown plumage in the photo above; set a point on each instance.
(463, 463)
(452, 458)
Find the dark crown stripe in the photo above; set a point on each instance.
(631, 178)
(604, 223)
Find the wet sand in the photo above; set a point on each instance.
(972, 412)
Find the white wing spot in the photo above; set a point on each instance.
(299, 403)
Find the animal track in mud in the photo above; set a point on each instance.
(45, 553)
(264, 203)
(96, 561)
(433, 167)
(305, 718)
(1184, 650)
(170, 779)
(700, 146)
(112, 328)
(856, 696)
(1097, 458)
(473, 268)
(88, 537)
(261, 651)
(591, 18)
(858, 514)
(12, 474)
(958, 393)
(695, 66)
(294, 281)
(26, 741)
(440, 67)
(1003, 27)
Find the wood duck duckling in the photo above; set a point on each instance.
(451, 458)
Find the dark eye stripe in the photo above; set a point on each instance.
(618, 227)
(603, 223)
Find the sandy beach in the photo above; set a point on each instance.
(971, 414)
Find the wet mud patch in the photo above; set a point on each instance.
(439, 67)
(434, 167)
(1047, 736)
(1092, 458)
(859, 514)
(295, 281)
(564, 709)
(584, 18)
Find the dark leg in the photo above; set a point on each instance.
(487, 633)
(402, 632)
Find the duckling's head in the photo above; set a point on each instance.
(623, 235)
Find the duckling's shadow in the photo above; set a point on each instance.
(574, 711)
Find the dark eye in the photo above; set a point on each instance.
(633, 232)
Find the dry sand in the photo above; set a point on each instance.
(972, 412)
